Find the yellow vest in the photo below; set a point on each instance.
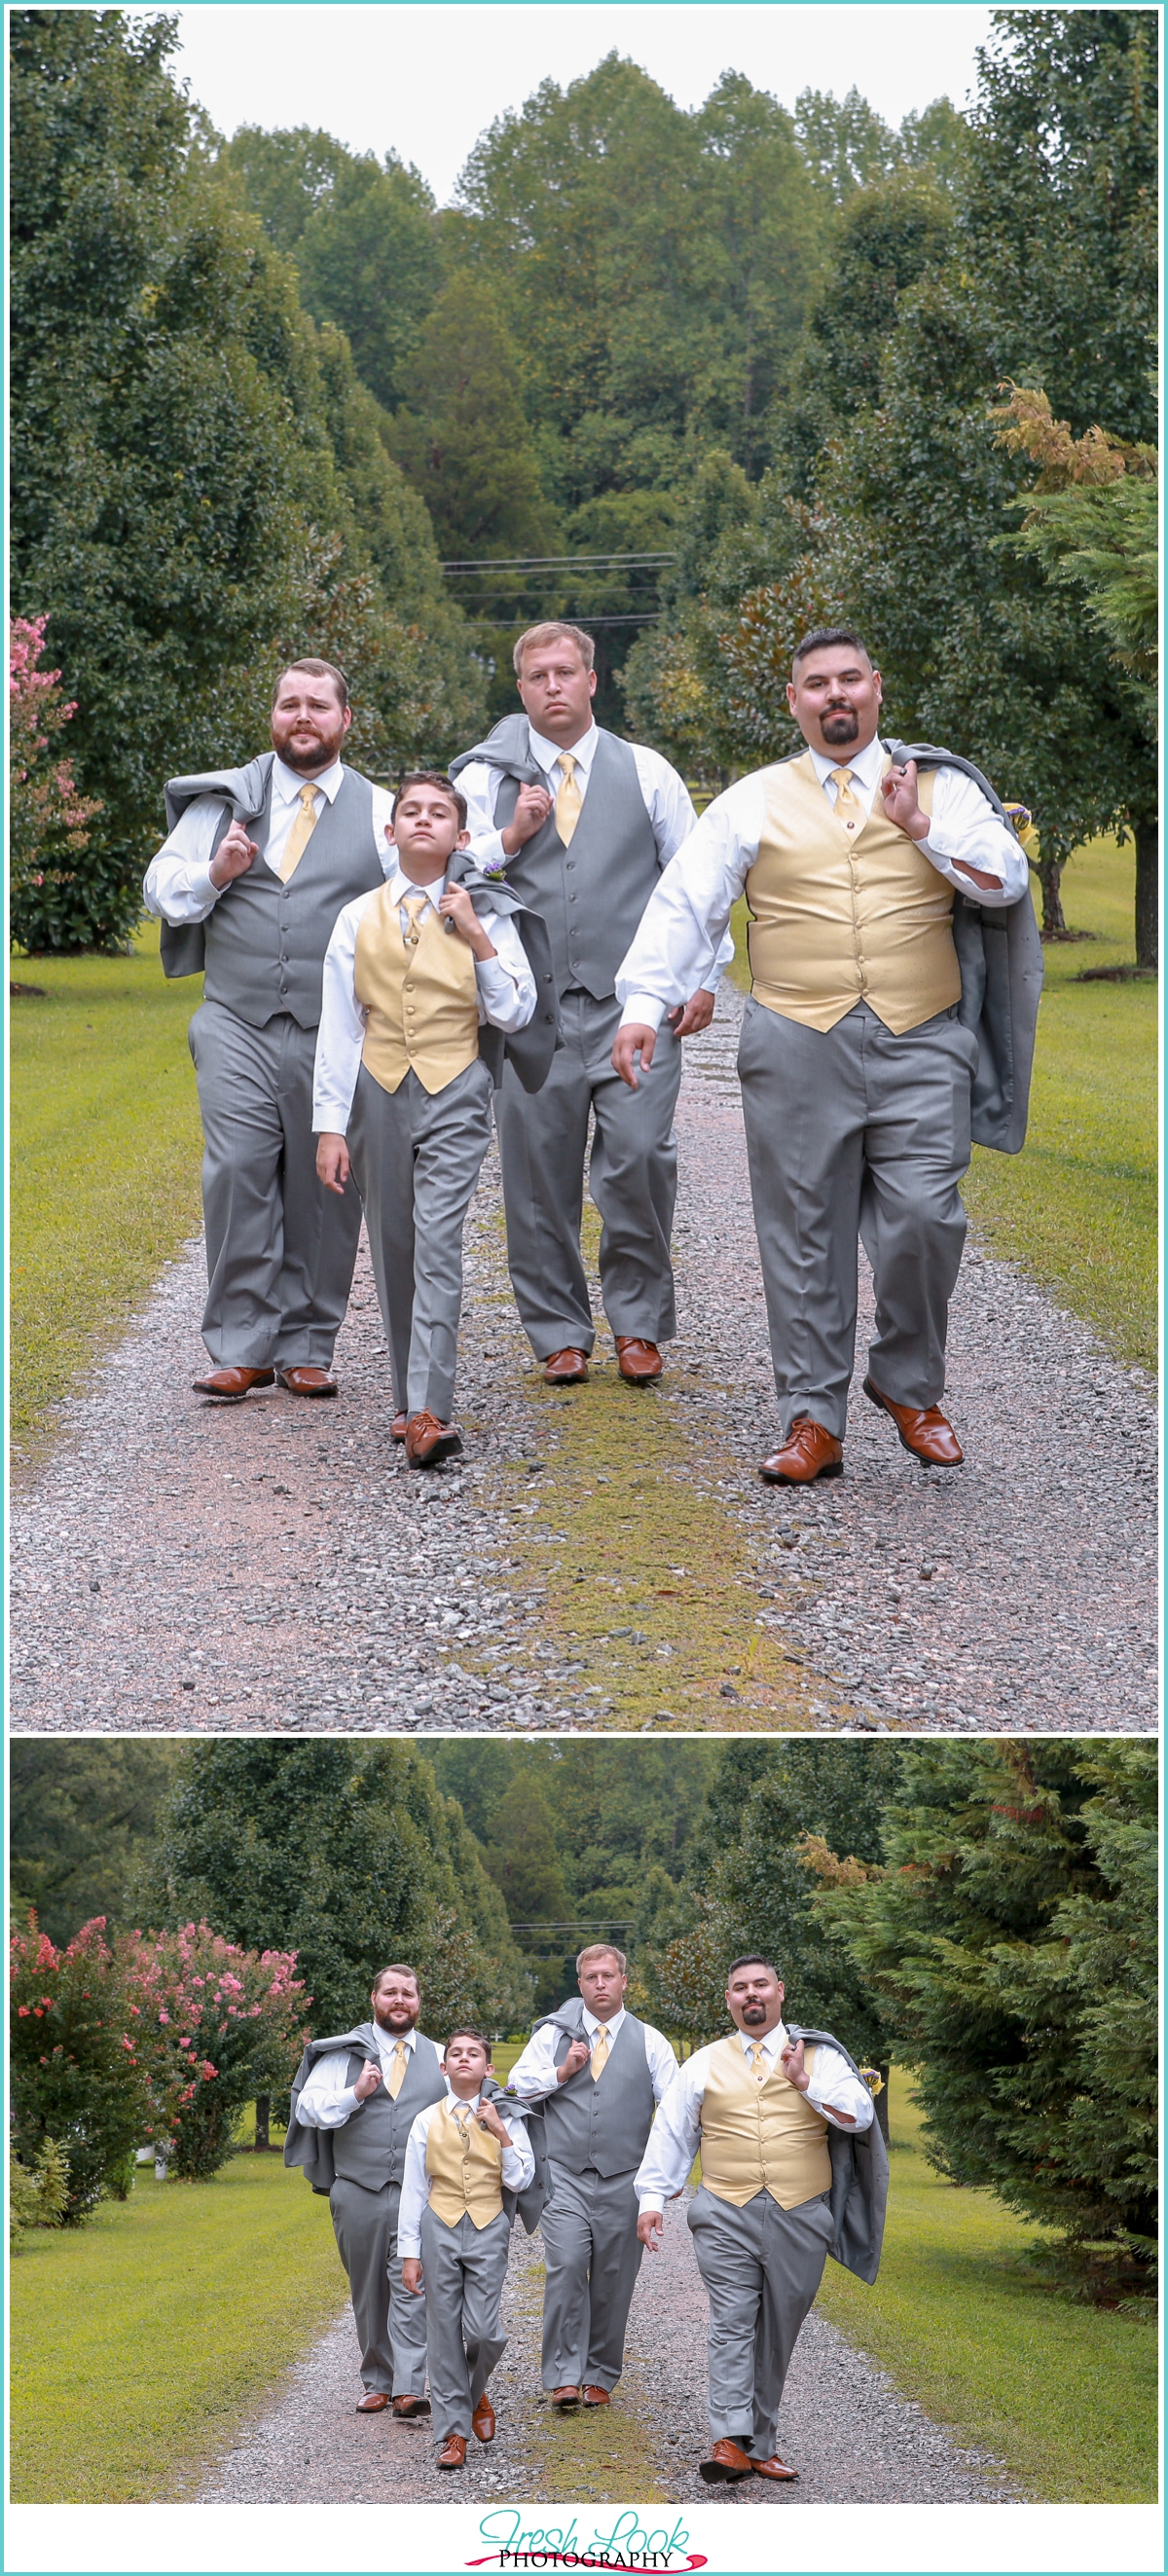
(463, 2181)
(422, 1002)
(760, 2137)
(840, 918)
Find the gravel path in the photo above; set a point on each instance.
(185, 1565)
(853, 2439)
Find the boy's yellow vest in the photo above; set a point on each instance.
(839, 918)
(422, 1002)
(760, 2137)
(464, 2181)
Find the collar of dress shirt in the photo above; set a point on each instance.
(387, 2040)
(460, 2098)
(547, 753)
(772, 2042)
(404, 885)
(865, 765)
(287, 783)
(593, 2022)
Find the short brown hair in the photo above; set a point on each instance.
(396, 1969)
(431, 778)
(552, 632)
(602, 1950)
(466, 2030)
(316, 670)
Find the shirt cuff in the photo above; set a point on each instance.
(647, 1008)
(409, 2248)
(203, 890)
(986, 863)
(331, 1115)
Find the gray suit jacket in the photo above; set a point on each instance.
(313, 2148)
(859, 2179)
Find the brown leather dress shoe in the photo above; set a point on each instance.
(428, 1440)
(773, 2468)
(726, 2463)
(453, 2452)
(639, 1362)
(307, 1381)
(374, 2402)
(397, 1428)
(566, 1368)
(483, 2421)
(229, 1384)
(562, 2397)
(595, 2396)
(807, 1452)
(407, 2406)
(924, 1432)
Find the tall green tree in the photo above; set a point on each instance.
(82, 1814)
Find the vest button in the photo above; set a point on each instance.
(571, 898)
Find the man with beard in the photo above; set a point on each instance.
(354, 2102)
(793, 2169)
(896, 969)
(248, 885)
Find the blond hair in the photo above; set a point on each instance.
(602, 1950)
(553, 632)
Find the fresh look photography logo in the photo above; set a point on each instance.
(626, 2545)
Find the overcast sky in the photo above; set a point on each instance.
(425, 81)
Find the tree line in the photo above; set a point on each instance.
(984, 1914)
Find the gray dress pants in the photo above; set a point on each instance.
(632, 1176)
(391, 2325)
(280, 1248)
(463, 2269)
(592, 2256)
(762, 2266)
(856, 1134)
(416, 1156)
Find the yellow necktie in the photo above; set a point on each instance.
(415, 905)
(568, 798)
(397, 2072)
(462, 2115)
(848, 808)
(600, 2053)
(301, 833)
(757, 2062)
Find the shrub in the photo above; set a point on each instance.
(78, 2075)
(36, 2199)
(47, 814)
(218, 2025)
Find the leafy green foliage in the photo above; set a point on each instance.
(47, 819)
(215, 2025)
(39, 2198)
(81, 1812)
(77, 2075)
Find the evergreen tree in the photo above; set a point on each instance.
(82, 1813)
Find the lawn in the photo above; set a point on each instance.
(1077, 1208)
(140, 2340)
(1066, 2395)
(105, 1148)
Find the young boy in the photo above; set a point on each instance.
(402, 1093)
(460, 2159)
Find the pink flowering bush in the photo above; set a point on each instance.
(215, 2025)
(48, 817)
(78, 2071)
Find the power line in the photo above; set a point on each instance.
(545, 563)
(629, 617)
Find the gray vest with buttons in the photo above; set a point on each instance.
(262, 948)
(371, 2147)
(591, 895)
(602, 2127)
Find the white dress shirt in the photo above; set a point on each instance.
(534, 2073)
(178, 879)
(517, 2167)
(692, 901)
(504, 982)
(328, 2099)
(676, 2134)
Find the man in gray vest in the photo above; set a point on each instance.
(354, 2102)
(258, 863)
(596, 2073)
(583, 823)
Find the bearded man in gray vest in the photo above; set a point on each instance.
(354, 2102)
(896, 971)
(596, 2074)
(258, 864)
(583, 823)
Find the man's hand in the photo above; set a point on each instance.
(578, 2055)
(233, 857)
(367, 2081)
(631, 1042)
(533, 805)
(793, 2067)
(332, 1162)
(697, 1014)
(412, 2275)
(456, 906)
(487, 2118)
(899, 791)
(650, 2228)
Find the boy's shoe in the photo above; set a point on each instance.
(727, 2463)
(566, 1368)
(453, 2452)
(596, 2396)
(483, 2421)
(562, 2397)
(398, 1426)
(229, 1384)
(639, 1362)
(428, 1440)
(307, 1381)
(407, 2406)
(373, 2402)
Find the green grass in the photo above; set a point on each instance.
(105, 1162)
(140, 2339)
(1065, 2395)
(1077, 1209)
